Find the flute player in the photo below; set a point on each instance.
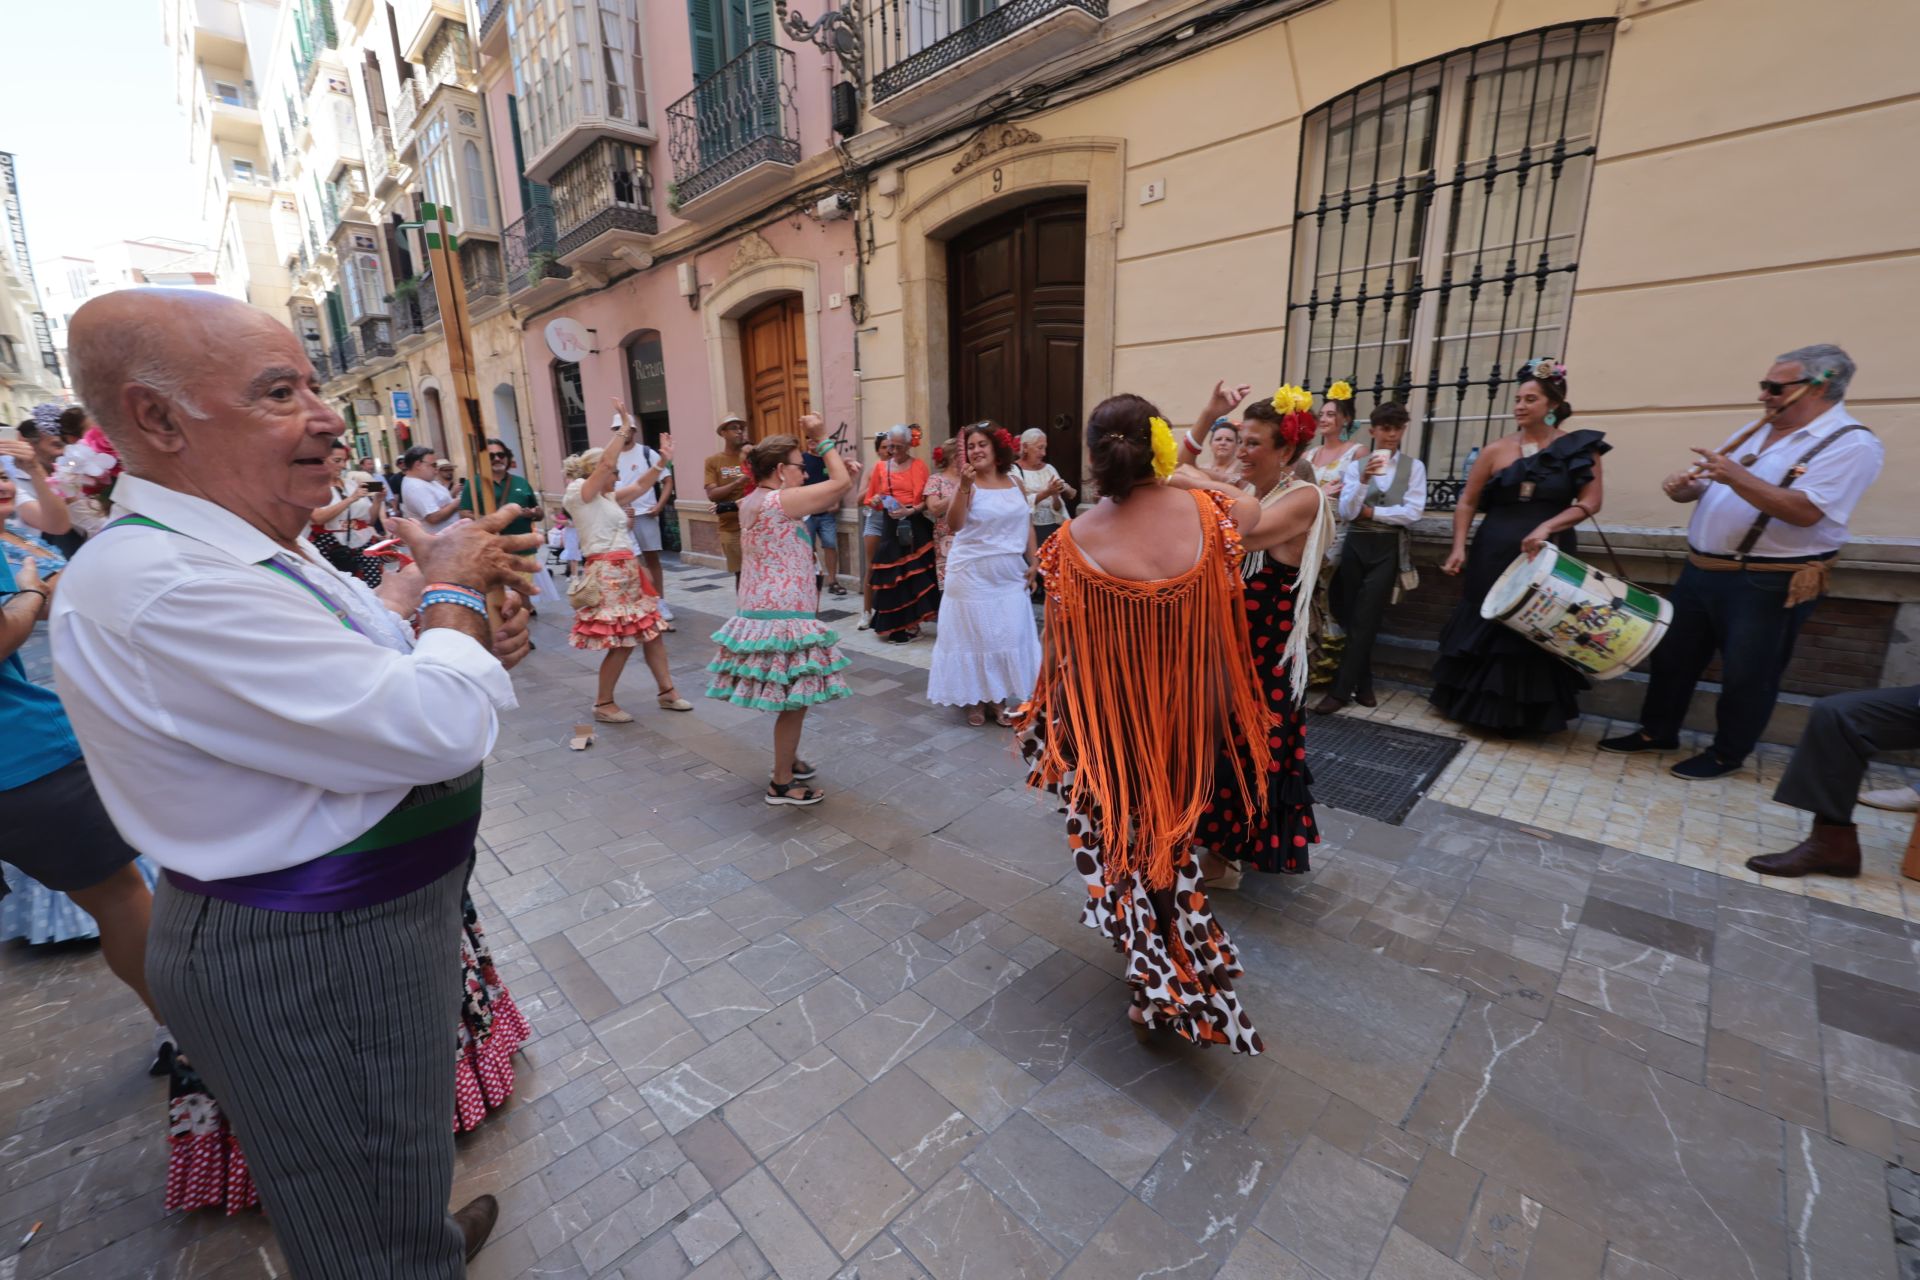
(1771, 511)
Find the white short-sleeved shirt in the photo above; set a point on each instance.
(420, 498)
(635, 463)
(1834, 482)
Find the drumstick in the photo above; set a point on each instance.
(1767, 418)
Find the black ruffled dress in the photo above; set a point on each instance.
(1489, 677)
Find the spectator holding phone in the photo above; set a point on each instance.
(343, 529)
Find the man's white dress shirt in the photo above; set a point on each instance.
(1834, 483)
(1356, 493)
(232, 724)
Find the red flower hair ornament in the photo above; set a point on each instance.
(1004, 438)
(1298, 427)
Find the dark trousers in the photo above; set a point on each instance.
(1742, 616)
(328, 1038)
(1362, 589)
(1844, 732)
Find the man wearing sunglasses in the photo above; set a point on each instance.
(1770, 513)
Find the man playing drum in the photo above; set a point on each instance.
(1771, 513)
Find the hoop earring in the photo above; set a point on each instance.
(1552, 418)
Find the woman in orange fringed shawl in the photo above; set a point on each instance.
(1148, 674)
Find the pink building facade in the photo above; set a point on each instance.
(681, 207)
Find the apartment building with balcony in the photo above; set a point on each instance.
(30, 365)
(220, 51)
(660, 169)
(1064, 199)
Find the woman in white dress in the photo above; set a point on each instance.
(988, 649)
(1046, 489)
(422, 496)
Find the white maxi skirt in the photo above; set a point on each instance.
(987, 648)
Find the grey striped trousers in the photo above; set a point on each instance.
(328, 1039)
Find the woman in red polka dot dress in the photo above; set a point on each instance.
(1294, 529)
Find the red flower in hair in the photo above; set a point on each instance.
(1297, 428)
(916, 435)
(939, 456)
(1005, 439)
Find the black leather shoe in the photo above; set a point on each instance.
(1704, 767)
(1327, 705)
(1630, 743)
(476, 1219)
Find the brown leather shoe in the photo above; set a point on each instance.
(1327, 705)
(1828, 851)
(1366, 699)
(476, 1219)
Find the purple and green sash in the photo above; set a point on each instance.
(429, 833)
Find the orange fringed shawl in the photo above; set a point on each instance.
(1142, 683)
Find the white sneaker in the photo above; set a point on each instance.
(666, 612)
(1893, 799)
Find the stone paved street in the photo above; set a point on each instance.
(870, 1039)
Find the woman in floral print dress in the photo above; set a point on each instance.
(775, 653)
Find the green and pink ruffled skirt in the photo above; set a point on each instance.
(776, 660)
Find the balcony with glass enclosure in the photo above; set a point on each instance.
(577, 77)
(603, 205)
(925, 56)
(736, 135)
(419, 21)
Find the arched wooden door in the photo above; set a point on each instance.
(1016, 289)
(773, 349)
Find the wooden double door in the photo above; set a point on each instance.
(1016, 290)
(773, 350)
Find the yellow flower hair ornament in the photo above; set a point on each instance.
(1166, 454)
(1342, 390)
(1291, 399)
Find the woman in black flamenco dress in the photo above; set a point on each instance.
(1534, 487)
(1296, 522)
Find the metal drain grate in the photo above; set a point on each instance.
(1379, 770)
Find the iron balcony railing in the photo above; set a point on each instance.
(429, 303)
(405, 110)
(406, 317)
(380, 161)
(244, 96)
(740, 116)
(530, 249)
(450, 59)
(329, 210)
(909, 41)
(490, 11)
(348, 190)
(376, 338)
(606, 187)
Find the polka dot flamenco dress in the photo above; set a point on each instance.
(1133, 748)
(1231, 828)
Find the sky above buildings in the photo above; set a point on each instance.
(87, 108)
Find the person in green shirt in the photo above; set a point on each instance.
(509, 486)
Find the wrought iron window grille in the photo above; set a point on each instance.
(1438, 252)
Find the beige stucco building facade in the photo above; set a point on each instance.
(1721, 192)
(1741, 203)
